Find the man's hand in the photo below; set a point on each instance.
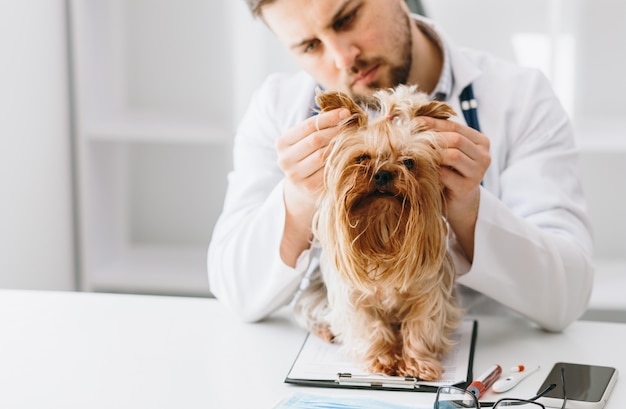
(301, 156)
(465, 163)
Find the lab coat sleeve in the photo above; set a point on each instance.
(533, 246)
(245, 269)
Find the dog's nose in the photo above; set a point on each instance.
(382, 177)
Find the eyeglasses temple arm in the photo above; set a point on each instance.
(543, 392)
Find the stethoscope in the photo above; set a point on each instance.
(469, 106)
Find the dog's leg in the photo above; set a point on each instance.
(427, 338)
(428, 335)
(311, 308)
(421, 352)
(383, 350)
(372, 341)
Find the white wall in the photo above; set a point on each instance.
(36, 245)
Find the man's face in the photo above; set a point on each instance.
(354, 46)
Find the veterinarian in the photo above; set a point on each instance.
(519, 234)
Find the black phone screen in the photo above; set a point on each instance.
(582, 382)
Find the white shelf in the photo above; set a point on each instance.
(609, 284)
(601, 134)
(153, 95)
(154, 269)
(155, 130)
(155, 87)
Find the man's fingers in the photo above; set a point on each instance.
(302, 148)
(456, 141)
(328, 119)
(316, 123)
(446, 125)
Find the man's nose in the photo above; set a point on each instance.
(344, 52)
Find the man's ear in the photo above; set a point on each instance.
(329, 100)
(434, 109)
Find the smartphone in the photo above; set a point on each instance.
(586, 386)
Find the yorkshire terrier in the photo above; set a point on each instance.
(385, 286)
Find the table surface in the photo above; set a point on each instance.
(86, 350)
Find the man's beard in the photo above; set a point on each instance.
(398, 74)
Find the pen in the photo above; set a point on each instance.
(484, 381)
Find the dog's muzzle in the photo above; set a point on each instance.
(382, 177)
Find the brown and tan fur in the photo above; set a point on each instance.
(385, 289)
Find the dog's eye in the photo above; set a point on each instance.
(362, 158)
(409, 163)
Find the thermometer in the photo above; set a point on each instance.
(510, 381)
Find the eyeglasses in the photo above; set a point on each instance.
(563, 385)
(450, 397)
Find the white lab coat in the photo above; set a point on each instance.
(533, 246)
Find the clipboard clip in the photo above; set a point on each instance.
(378, 381)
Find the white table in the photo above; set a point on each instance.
(85, 350)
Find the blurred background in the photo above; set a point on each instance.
(117, 118)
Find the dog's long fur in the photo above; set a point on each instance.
(385, 289)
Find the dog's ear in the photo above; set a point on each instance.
(329, 100)
(434, 109)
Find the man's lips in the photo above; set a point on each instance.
(367, 76)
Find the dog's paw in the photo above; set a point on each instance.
(324, 332)
(383, 365)
(426, 370)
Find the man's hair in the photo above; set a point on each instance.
(255, 6)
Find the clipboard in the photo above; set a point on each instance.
(322, 364)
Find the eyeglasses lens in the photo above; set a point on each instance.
(454, 398)
(517, 403)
